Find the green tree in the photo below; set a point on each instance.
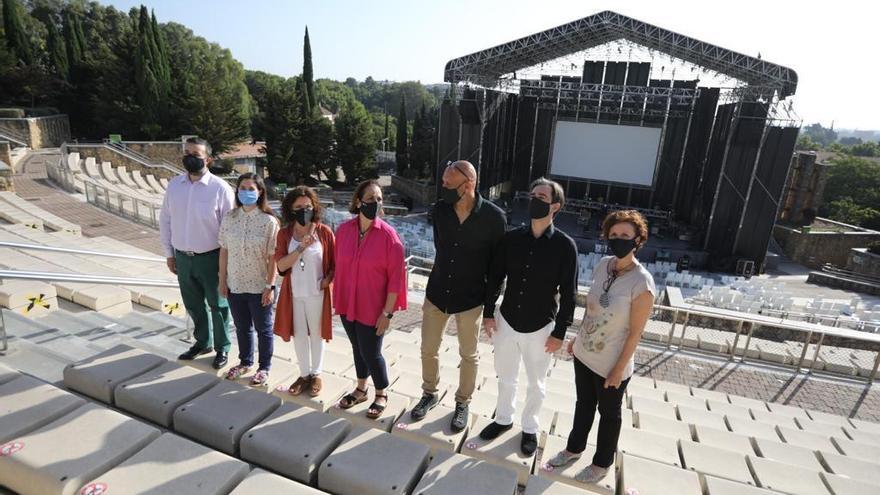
(308, 74)
(57, 51)
(74, 39)
(152, 78)
(17, 41)
(355, 144)
(865, 149)
(804, 143)
(852, 192)
(819, 134)
(402, 152)
(422, 149)
(280, 121)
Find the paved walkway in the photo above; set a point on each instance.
(764, 382)
(33, 185)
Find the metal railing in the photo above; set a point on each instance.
(125, 150)
(13, 137)
(130, 154)
(141, 210)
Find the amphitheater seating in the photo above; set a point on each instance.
(676, 439)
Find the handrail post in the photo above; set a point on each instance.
(672, 329)
(816, 354)
(874, 371)
(3, 329)
(684, 327)
(748, 340)
(739, 328)
(804, 352)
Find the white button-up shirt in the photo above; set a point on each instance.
(192, 212)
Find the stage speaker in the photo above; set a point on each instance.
(745, 268)
(469, 108)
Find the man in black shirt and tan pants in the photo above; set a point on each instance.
(539, 263)
(467, 230)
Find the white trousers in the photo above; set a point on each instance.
(307, 339)
(511, 348)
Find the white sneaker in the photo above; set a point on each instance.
(591, 474)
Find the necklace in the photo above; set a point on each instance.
(605, 299)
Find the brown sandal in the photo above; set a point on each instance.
(378, 408)
(299, 385)
(351, 400)
(317, 385)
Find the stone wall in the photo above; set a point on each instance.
(5, 155)
(419, 192)
(39, 132)
(170, 151)
(863, 262)
(814, 249)
(805, 187)
(105, 154)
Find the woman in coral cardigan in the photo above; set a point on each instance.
(305, 255)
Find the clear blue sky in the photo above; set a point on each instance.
(827, 43)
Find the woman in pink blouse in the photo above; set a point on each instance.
(370, 285)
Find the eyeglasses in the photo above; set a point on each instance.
(462, 172)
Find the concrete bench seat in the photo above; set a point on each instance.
(682, 399)
(650, 406)
(858, 450)
(678, 388)
(775, 419)
(49, 220)
(539, 485)
(108, 173)
(829, 429)
(723, 439)
(647, 477)
(565, 422)
(834, 419)
(394, 409)
(857, 469)
(154, 184)
(352, 468)
(567, 473)
(294, 441)
(704, 417)
(503, 451)
(718, 486)
(812, 441)
(752, 428)
(455, 474)
(788, 453)
(649, 445)
(782, 477)
(27, 404)
(715, 340)
(7, 374)
(14, 215)
(156, 394)
(264, 482)
(722, 463)
(748, 402)
(841, 485)
(664, 426)
(99, 375)
(728, 409)
(172, 464)
(633, 390)
(865, 437)
(433, 430)
(714, 395)
(865, 426)
(94, 439)
(333, 388)
(28, 297)
(221, 415)
(483, 402)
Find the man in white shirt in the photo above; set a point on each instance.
(194, 205)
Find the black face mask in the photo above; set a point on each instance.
(193, 164)
(303, 216)
(370, 210)
(449, 195)
(538, 209)
(621, 247)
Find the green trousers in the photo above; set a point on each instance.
(199, 280)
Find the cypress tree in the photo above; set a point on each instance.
(73, 44)
(149, 88)
(163, 64)
(16, 40)
(57, 51)
(402, 154)
(308, 72)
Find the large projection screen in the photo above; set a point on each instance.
(613, 153)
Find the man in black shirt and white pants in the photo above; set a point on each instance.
(467, 231)
(539, 263)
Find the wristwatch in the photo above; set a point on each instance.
(269, 286)
(389, 315)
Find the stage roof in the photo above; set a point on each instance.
(486, 67)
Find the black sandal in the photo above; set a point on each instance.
(378, 408)
(350, 400)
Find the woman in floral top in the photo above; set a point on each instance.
(247, 274)
(618, 306)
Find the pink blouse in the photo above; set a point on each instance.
(366, 274)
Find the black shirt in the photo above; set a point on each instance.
(458, 281)
(536, 270)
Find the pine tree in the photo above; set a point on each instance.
(16, 39)
(57, 51)
(402, 151)
(308, 72)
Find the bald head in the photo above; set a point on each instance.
(459, 173)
